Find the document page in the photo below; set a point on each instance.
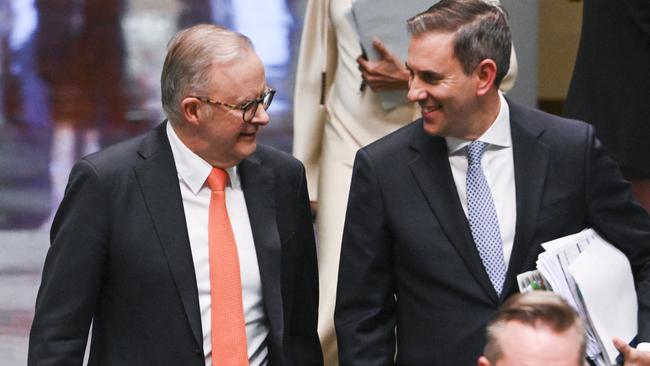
(553, 265)
(604, 277)
(386, 20)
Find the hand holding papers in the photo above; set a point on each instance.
(633, 356)
(387, 73)
(386, 20)
(596, 279)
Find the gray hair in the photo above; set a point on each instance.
(481, 27)
(534, 308)
(191, 53)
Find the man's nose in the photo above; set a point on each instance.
(415, 92)
(261, 116)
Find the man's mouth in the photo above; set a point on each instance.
(430, 108)
(250, 134)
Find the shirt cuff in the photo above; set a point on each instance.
(643, 346)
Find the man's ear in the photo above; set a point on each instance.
(485, 72)
(482, 361)
(190, 110)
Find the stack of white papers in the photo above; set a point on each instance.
(596, 279)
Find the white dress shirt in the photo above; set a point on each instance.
(499, 169)
(192, 174)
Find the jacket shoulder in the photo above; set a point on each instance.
(395, 142)
(552, 127)
(116, 158)
(276, 158)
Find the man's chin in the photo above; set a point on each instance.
(246, 148)
(431, 127)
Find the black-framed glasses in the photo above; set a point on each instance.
(249, 107)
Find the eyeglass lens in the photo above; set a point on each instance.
(251, 109)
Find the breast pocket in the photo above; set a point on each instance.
(559, 208)
(560, 217)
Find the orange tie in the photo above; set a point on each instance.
(228, 326)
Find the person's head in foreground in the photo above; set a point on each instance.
(536, 328)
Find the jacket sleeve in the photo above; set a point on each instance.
(72, 273)
(304, 320)
(365, 301)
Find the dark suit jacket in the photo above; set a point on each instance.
(610, 87)
(408, 258)
(120, 256)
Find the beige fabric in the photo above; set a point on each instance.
(327, 137)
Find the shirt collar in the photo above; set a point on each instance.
(191, 168)
(497, 134)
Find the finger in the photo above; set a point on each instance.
(622, 346)
(382, 50)
(367, 67)
(363, 63)
(375, 87)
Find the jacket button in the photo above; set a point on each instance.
(198, 351)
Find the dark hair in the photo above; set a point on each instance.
(482, 32)
(534, 308)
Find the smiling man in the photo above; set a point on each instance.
(192, 244)
(445, 212)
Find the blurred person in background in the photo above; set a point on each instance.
(611, 82)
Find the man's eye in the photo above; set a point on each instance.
(429, 78)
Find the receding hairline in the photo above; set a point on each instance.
(534, 309)
(535, 324)
(537, 306)
(191, 55)
(228, 45)
(534, 330)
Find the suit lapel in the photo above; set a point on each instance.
(259, 190)
(531, 164)
(158, 180)
(433, 175)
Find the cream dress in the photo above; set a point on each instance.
(326, 138)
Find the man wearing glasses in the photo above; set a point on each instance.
(190, 245)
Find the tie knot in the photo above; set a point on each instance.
(474, 152)
(217, 179)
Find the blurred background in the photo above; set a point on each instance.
(79, 75)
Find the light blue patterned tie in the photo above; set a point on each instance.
(483, 220)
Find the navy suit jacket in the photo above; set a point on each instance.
(120, 256)
(408, 258)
